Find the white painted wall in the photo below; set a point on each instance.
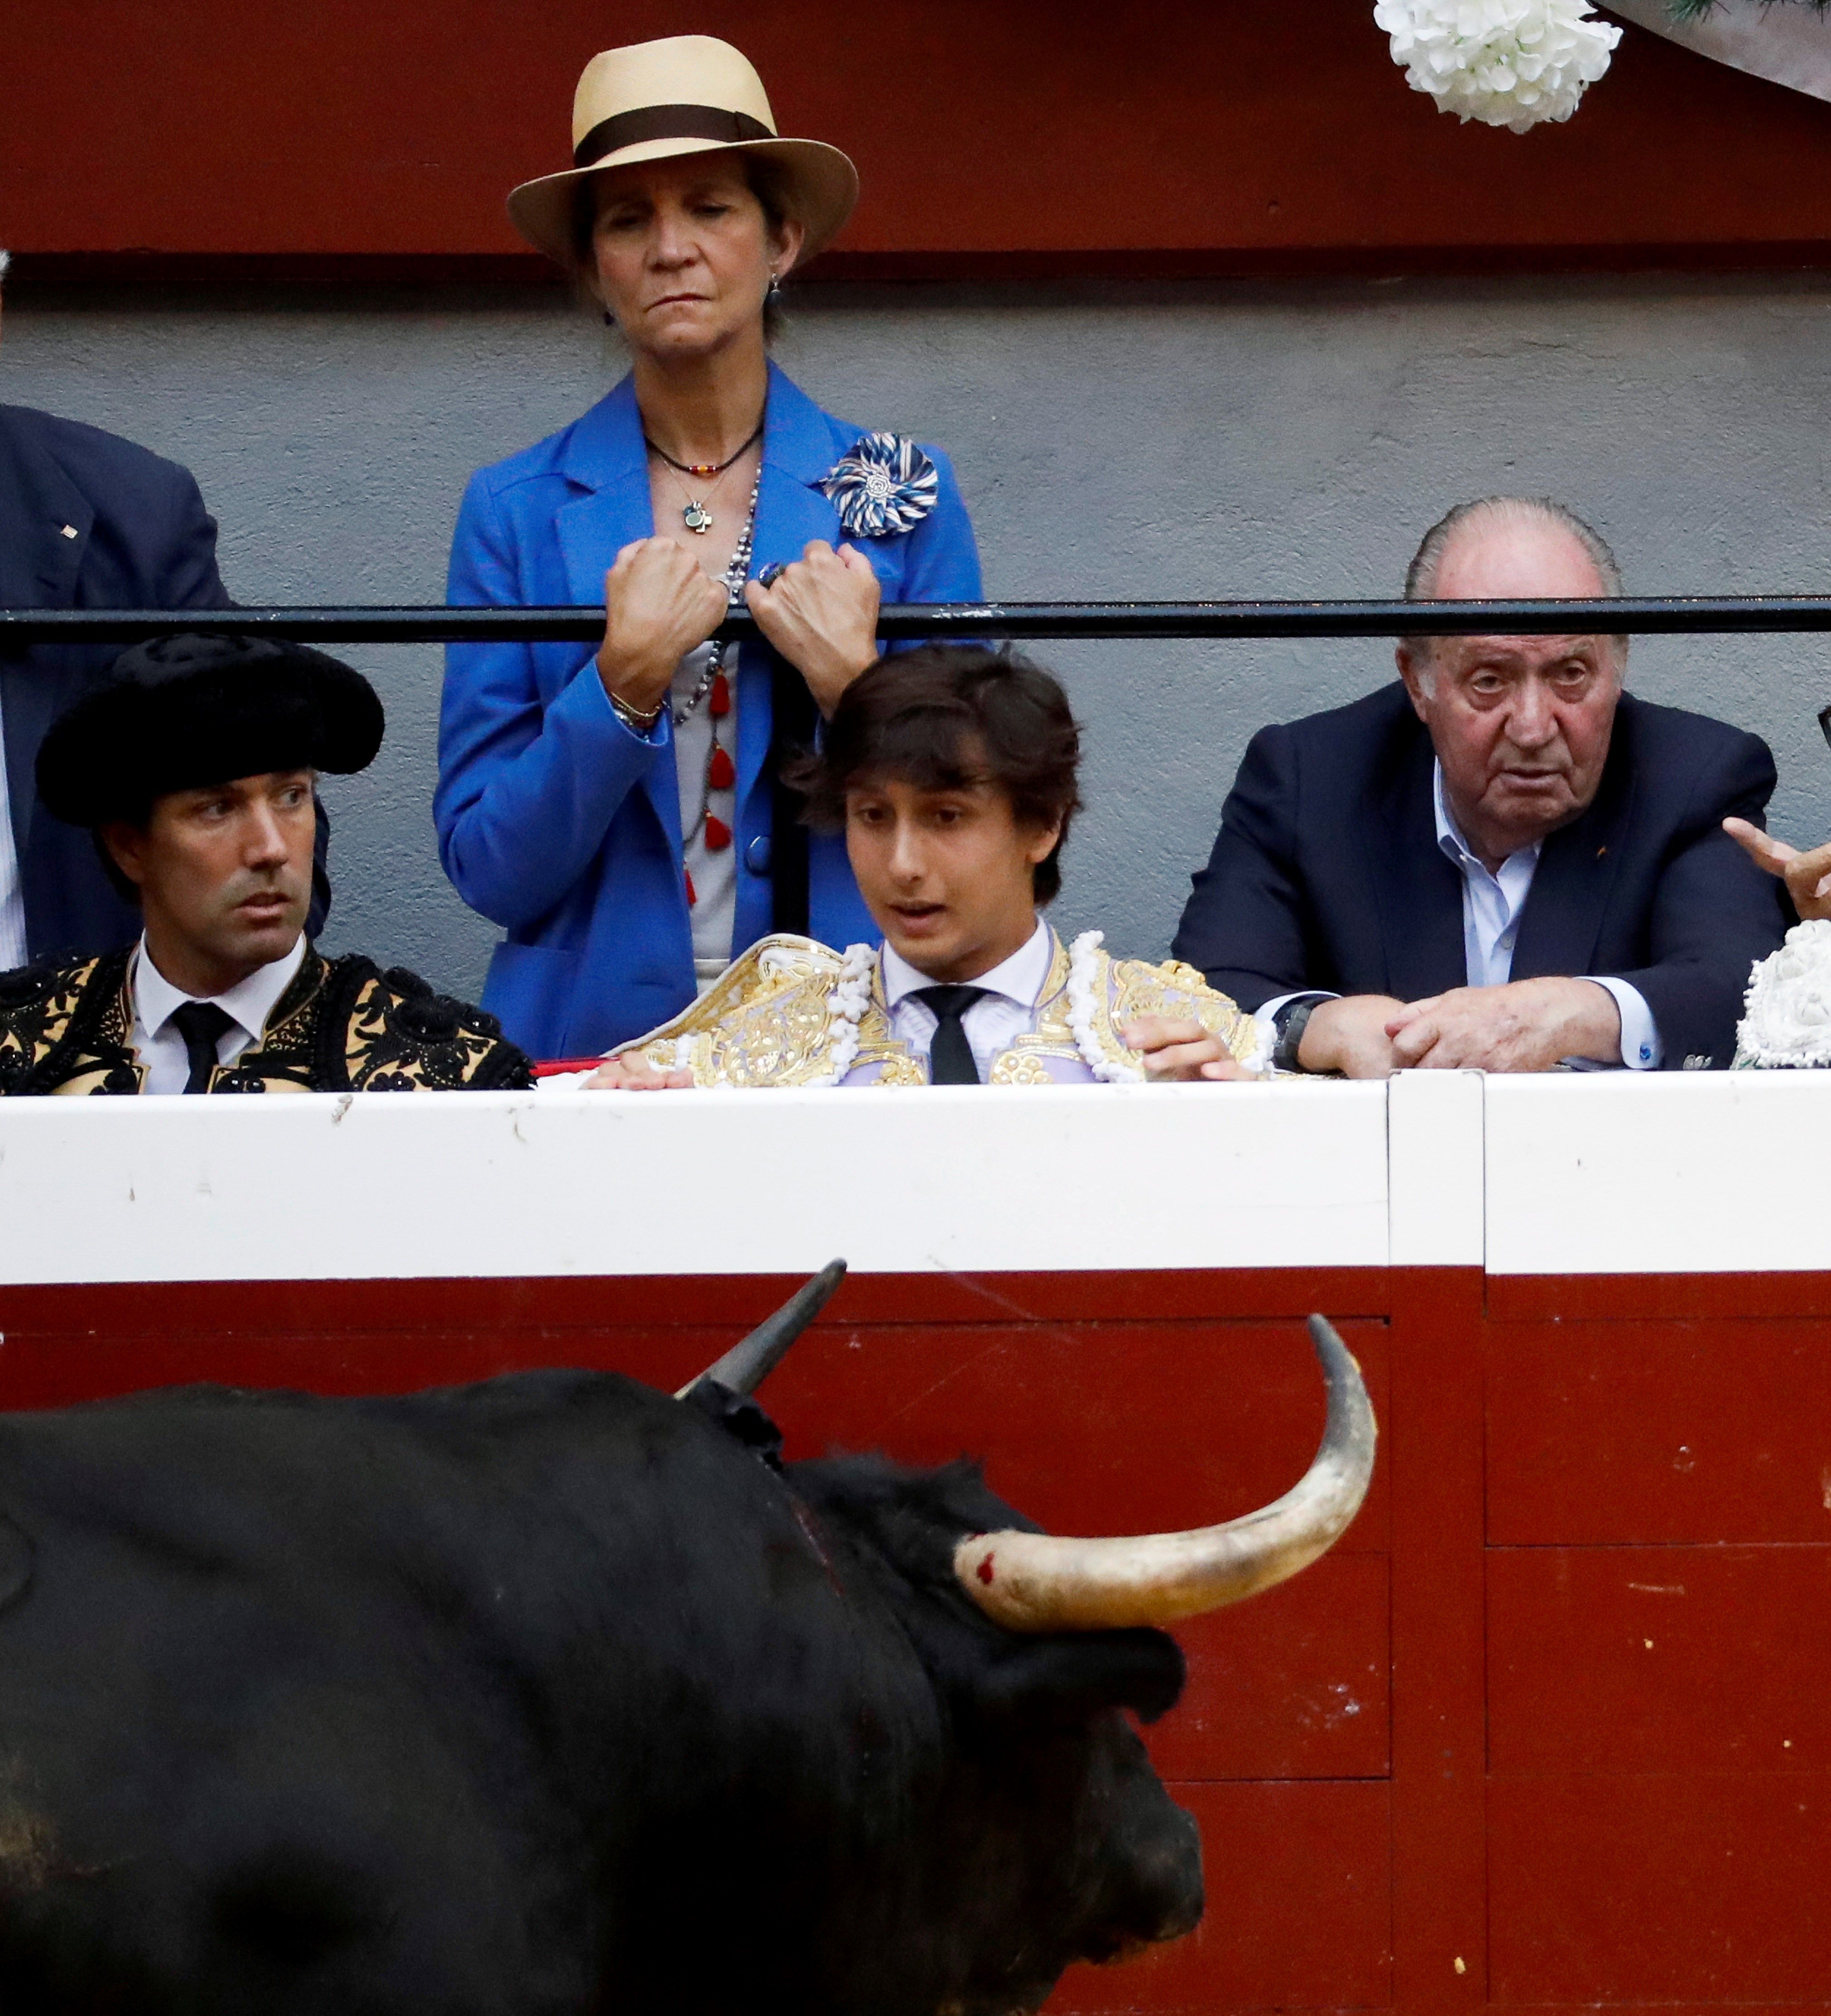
(1113, 441)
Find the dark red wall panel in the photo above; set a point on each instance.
(1282, 1862)
(1652, 1659)
(1629, 1431)
(1294, 1684)
(1260, 130)
(1165, 1424)
(1689, 1887)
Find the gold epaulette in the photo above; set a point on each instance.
(763, 1022)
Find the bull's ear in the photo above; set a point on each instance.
(1074, 1676)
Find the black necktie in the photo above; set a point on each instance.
(950, 1056)
(201, 1023)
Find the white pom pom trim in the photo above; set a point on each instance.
(1083, 1008)
(845, 1008)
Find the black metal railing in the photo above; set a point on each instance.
(1646, 615)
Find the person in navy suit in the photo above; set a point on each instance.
(620, 811)
(87, 521)
(1504, 861)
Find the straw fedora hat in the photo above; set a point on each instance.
(684, 95)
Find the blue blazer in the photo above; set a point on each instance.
(87, 521)
(1326, 872)
(557, 821)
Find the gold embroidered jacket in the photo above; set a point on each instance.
(779, 1016)
(342, 1025)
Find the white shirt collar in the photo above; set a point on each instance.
(1019, 979)
(1449, 836)
(248, 1004)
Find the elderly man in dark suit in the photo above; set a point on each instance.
(1503, 861)
(86, 521)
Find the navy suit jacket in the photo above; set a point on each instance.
(1326, 872)
(87, 521)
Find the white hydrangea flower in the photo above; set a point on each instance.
(1506, 63)
(1786, 1018)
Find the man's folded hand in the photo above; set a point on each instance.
(1527, 1025)
(1351, 1036)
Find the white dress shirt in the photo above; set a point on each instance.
(12, 923)
(993, 1023)
(1491, 904)
(157, 1041)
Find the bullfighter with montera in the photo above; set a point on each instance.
(194, 767)
(952, 772)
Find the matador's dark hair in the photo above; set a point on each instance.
(944, 716)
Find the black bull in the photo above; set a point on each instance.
(543, 1695)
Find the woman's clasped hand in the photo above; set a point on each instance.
(658, 604)
(820, 612)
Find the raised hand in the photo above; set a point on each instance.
(1807, 877)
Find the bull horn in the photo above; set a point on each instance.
(746, 1366)
(1040, 1581)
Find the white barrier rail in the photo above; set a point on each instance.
(1678, 1173)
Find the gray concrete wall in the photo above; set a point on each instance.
(1116, 442)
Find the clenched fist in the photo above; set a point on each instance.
(658, 604)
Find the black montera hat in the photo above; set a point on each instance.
(181, 712)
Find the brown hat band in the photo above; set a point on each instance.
(667, 122)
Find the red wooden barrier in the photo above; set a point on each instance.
(1546, 1730)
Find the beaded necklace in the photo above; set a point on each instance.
(714, 690)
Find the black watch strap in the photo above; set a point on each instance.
(1290, 1022)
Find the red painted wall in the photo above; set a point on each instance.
(1214, 134)
(1546, 1733)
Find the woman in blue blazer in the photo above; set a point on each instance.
(617, 812)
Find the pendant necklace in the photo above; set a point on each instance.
(694, 515)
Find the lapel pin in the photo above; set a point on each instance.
(69, 531)
(1600, 852)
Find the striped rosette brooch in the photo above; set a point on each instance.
(883, 484)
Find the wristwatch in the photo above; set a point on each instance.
(1290, 1022)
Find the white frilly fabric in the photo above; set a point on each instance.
(1786, 1012)
(1516, 64)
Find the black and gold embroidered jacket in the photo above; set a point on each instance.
(342, 1025)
